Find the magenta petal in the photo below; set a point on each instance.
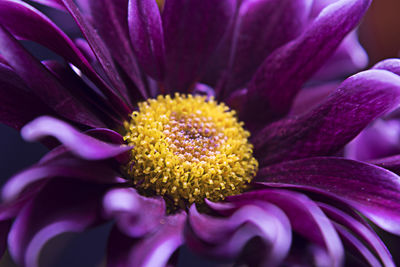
(51, 3)
(80, 144)
(392, 65)
(305, 217)
(261, 27)
(226, 237)
(192, 31)
(324, 130)
(99, 49)
(68, 167)
(43, 83)
(372, 190)
(18, 106)
(366, 234)
(146, 32)
(127, 207)
(60, 207)
(280, 77)
(154, 249)
(109, 18)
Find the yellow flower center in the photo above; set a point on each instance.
(187, 149)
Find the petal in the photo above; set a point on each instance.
(379, 140)
(60, 207)
(99, 49)
(305, 217)
(391, 163)
(290, 66)
(152, 250)
(51, 3)
(261, 27)
(192, 31)
(67, 166)
(43, 83)
(15, 15)
(226, 237)
(147, 36)
(372, 190)
(348, 58)
(392, 65)
(126, 206)
(326, 129)
(80, 144)
(364, 233)
(18, 106)
(109, 18)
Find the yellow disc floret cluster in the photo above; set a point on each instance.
(188, 148)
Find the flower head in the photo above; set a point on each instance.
(182, 122)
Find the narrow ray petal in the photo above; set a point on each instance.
(327, 128)
(282, 74)
(372, 190)
(80, 144)
(192, 32)
(60, 207)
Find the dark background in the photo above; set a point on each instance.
(379, 34)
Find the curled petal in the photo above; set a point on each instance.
(135, 215)
(327, 128)
(154, 249)
(226, 237)
(80, 144)
(371, 190)
(360, 230)
(305, 216)
(280, 77)
(68, 167)
(60, 207)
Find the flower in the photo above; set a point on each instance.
(109, 105)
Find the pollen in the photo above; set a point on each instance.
(187, 148)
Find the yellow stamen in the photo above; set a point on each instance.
(188, 148)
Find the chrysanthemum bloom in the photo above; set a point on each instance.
(173, 122)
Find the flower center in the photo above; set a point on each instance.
(188, 148)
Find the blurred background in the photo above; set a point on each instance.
(379, 34)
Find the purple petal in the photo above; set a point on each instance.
(379, 140)
(226, 237)
(392, 65)
(145, 29)
(15, 15)
(43, 83)
(391, 163)
(372, 190)
(60, 207)
(361, 231)
(305, 217)
(326, 129)
(282, 74)
(18, 106)
(68, 167)
(192, 31)
(152, 250)
(99, 49)
(261, 27)
(51, 3)
(353, 244)
(109, 18)
(127, 206)
(348, 58)
(80, 144)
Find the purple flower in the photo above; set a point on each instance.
(119, 157)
